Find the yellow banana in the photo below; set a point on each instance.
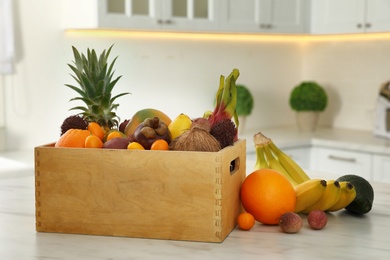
(330, 196)
(261, 161)
(274, 164)
(294, 170)
(308, 193)
(347, 195)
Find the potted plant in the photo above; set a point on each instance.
(245, 103)
(308, 99)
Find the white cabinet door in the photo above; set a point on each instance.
(193, 15)
(289, 16)
(341, 162)
(350, 16)
(268, 16)
(130, 14)
(337, 16)
(381, 168)
(378, 16)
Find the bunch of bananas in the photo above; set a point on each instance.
(312, 194)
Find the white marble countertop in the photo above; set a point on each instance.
(353, 140)
(345, 236)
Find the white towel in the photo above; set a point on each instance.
(7, 47)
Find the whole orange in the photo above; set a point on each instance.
(267, 195)
(73, 138)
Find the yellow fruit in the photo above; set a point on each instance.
(135, 146)
(113, 133)
(141, 115)
(179, 125)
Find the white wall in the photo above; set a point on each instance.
(177, 74)
(352, 72)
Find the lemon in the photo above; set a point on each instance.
(179, 125)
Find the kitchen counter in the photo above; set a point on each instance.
(345, 237)
(353, 140)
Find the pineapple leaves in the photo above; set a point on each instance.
(94, 75)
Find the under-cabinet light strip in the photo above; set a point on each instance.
(225, 36)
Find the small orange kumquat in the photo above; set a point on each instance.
(160, 144)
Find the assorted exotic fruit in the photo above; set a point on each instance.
(98, 126)
(277, 192)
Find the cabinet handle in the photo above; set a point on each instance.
(339, 158)
(368, 25)
(161, 21)
(359, 25)
(265, 26)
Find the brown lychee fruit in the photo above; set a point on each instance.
(290, 222)
(317, 219)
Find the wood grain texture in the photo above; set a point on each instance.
(150, 194)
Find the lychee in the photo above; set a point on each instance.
(290, 222)
(317, 219)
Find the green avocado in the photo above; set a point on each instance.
(362, 204)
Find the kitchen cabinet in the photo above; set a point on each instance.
(191, 15)
(350, 16)
(265, 16)
(381, 168)
(340, 162)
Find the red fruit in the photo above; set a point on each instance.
(290, 222)
(317, 219)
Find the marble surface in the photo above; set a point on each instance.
(345, 236)
(353, 140)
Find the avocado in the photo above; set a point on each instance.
(364, 199)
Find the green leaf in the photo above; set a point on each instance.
(81, 92)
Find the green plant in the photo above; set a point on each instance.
(308, 96)
(94, 75)
(244, 101)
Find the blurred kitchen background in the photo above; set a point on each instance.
(179, 72)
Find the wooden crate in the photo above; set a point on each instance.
(148, 194)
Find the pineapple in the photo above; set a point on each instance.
(94, 77)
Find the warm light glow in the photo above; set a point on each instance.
(225, 36)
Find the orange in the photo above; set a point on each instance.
(245, 221)
(159, 144)
(135, 146)
(93, 141)
(96, 129)
(267, 195)
(73, 138)
(114, 134)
